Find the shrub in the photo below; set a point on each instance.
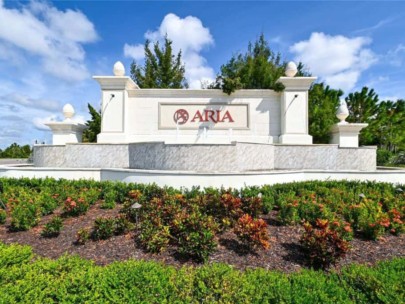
(195, 233)
(232, 206)
(324, 244)
(198, 245)
(24, 215)
(399, 160)
(397, 225)
(252, 205)
(3, 216)
(47, 201)
(154, 237)
(75, 207)
(53, 228)
(110, 198)
(82, 236)
(252, 232)
(372, 221)
(383, 157)
(103, 228)
(122, 225)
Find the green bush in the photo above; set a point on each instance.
(383, 157)
(3, 216)
(110, 198)
(24, 215)
(399, 160)
(82, 236)
(53, 228)
(103, 228)
(26, 278)
(154, 236)
(14, 254)
(122, 225)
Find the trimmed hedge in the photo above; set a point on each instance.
(26, 278)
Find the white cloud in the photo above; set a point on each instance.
(55, 36)
(136, 52)
(377, 26)
(16, 98)
(39, 122)
(337, 60)
(188, 35)
(396, 57)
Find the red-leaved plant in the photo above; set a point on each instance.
(75, 207)
(324, 243)
(252, 232)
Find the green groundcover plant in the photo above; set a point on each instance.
(26, 278)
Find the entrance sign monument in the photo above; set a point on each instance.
(182, 137)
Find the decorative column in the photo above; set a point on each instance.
(67, 131)
(345, 134)
(114, 100)
(294, 107)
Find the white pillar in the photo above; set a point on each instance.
(346, 135)
(67, 131)
(114, 101)
(294, 110)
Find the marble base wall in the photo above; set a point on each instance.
(325, 157)
(82, 156)
(235, 157)
(202, 158)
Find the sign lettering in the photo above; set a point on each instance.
(194, 116)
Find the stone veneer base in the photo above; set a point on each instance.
(208, 158)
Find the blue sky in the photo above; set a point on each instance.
(49, 50)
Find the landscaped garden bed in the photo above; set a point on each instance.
(289, 227)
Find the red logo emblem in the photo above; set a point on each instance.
(180, 116)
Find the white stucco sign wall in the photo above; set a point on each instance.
(130, 114)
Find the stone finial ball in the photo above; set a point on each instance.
(291, 69)
(68, 111)
(342, 112)
(119, 69)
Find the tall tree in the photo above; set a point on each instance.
(162, 69)
(258, 68)
(93, 124)
(16, 151)
(363, 107)
(323, 102)
(388, 127)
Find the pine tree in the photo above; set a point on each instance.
(258, 68)
(363, 108)
(93, 124)
(162, 69)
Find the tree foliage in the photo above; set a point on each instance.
(258, 68)
(16, 151)
(389, 125)
(162, 69)
(93, 124)
(385, 119)
(362, 105)
(323, 102)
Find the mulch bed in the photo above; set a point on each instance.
(285, 253)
